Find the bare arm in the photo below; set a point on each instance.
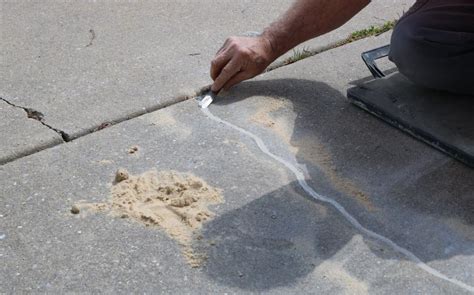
(242, 58)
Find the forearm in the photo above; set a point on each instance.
(307, 19)
(241, 58)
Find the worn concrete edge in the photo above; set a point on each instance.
(30, 151)
(38, 116)
(67, 137)
(168, 102)
(309, 52)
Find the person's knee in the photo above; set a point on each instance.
(408, 51)
(431, 63)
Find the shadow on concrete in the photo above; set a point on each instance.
(405, 191)
(272, 241)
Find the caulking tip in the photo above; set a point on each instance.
(206, 100)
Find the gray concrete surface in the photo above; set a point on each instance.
(21, 135)
(85, 63)
(269, 236)
(401, 188)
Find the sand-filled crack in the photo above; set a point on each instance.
(173, 201)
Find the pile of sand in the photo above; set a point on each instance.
(176, 202)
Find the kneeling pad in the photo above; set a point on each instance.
(440, 119)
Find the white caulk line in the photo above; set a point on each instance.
(301, 180)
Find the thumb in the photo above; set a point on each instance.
(232, 68)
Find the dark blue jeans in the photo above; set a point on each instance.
(433, 45)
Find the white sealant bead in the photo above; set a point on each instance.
(205, 101)
(304, 185)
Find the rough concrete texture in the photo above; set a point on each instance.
(396, 185)
(21, 135)
(269, 236)
(85, 63)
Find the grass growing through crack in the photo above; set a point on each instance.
(299, 54)
(371, 31)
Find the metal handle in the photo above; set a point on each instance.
(370, 56)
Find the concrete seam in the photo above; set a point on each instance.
(315, 51)
(137, 114)
(38, 116)
(310, 53)
(33, 114)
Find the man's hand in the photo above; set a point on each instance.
(243, 58)
(240, 58)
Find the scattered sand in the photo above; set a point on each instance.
(266, 105)
(309, 148)
(315, 152)
(165, 120)
(75, 209)
(121, 175)
(280, 126)
(133, 150)
(175, 202)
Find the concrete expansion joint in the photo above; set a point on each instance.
(304, 54)
(38, 116)
(127, 117)
(301, 54)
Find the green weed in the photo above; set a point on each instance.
(299, 54)
(371, 31)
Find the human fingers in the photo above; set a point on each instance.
(218, 63)
(230, 69)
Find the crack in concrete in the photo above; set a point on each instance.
(93, 35)
(309, 53)
(353, 37)
(137, 114)
(38, 116)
